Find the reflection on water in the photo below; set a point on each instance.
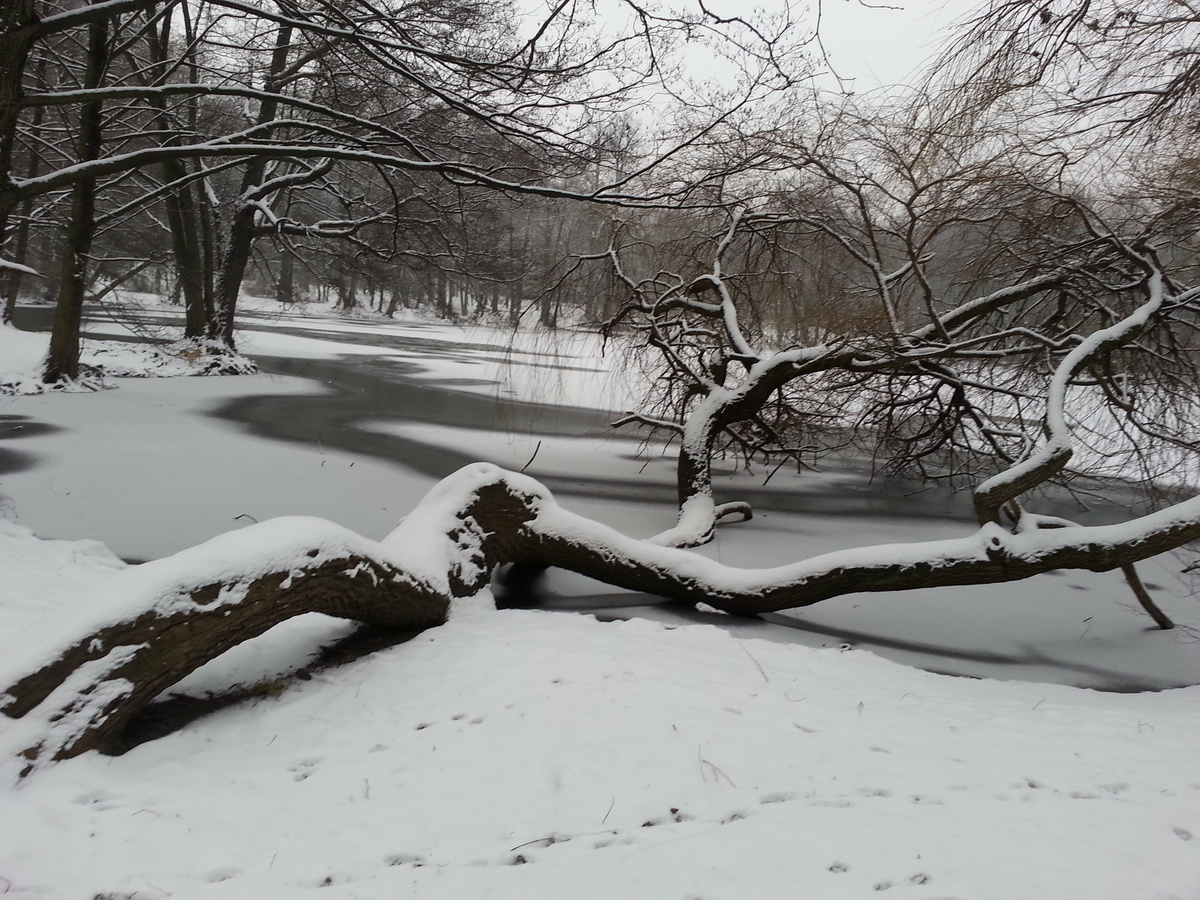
(362, 389)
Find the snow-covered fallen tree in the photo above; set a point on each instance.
(151, 625)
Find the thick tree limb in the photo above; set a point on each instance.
(154, 624)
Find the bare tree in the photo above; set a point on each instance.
(959, 318)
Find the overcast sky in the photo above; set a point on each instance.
(885, 44)
(875, 42)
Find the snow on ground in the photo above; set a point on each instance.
(543, 755)
(539, 755)
(21, 355)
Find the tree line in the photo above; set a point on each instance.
(404, 148)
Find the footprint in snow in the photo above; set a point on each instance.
(778, 797)
(405, 859)
(224, 873)
(875, 792)
(615, 841)
(675, 816)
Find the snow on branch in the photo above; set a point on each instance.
(7, 265)
(1055, 451)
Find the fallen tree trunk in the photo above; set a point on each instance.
(159, 622)
(155, 623)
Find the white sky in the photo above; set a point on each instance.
(875, 42)
(878, 45)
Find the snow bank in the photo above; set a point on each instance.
(22, 355)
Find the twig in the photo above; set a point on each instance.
(527, 465)
(755, 661)
(1161, 619)
(551, 839)
(610, 809)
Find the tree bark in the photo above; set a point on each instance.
(21, 241)
(18, 34)
(242, 229)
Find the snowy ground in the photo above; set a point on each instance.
(534, 754)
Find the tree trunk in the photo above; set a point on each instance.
(20, 249)
(18, 33)
(62, 364)
(181, 206)
(394, 301)
(548, 312)
(443, 297)
(242, 228)
(516, 294)
(151, 650)
(348, 289)
(285, 285)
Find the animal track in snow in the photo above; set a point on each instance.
(304, 768)
(617, 840)
(406, 859)
(675, 816)
(99, 799)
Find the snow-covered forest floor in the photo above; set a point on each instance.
(538, 754)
